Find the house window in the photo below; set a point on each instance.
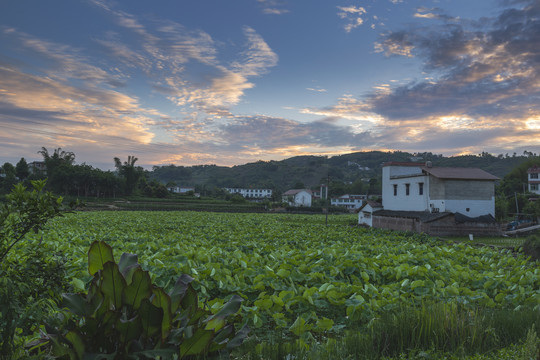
(420, 188)
(534, 187)
(534, 176)
(395, 189)
(407, 189)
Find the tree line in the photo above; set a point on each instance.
(82, 180)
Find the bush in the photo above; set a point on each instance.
(531, 247)
(31, 278)
(123, 315)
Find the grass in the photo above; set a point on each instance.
(430, 331)
(500, 241)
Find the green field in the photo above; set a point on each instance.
(300, 278)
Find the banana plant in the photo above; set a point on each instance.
(123, 315)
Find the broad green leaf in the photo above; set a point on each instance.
(231, 307)
(325, 324)
(139, 288)
(298, 327)
(113, 284)
(163, 301)
(99, 254)
(77, 341)
(76, 303)
(197, 344)
(129, 329)
(179, 290)
(128, 264)
(151, 318)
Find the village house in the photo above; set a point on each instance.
(365, 212)
(350, 202)
(250, 193)
(436, 200)
(181, 189)
(533, 179)
(297, 197)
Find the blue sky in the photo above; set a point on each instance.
(230, 82)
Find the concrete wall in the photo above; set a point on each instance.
(400, 176)
(445, 226)
(395, 223)
(303, 198)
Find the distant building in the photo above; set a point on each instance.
(440, 201)
(180, 189)
(251, 193)
(350, 202)
(38, 168)
(297, 197)
(421, 187)
(365, 212)
(533, 179)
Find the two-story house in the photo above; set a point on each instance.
(297, 197)
(422, 187)
(441, 201)
(533, 179)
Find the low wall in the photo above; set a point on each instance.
(396, 223)
(442, 227)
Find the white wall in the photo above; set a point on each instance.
(303, 198)
(401, 201)
(365, 216)
(476, 207)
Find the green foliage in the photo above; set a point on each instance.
(31, 277)
(124, 315)
(287, 266)
(531, 247)
(25, 211)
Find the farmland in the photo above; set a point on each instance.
(297, 275)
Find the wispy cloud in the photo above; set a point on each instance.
(273, 7)
(353, 15)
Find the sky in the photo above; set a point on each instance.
(190, 82)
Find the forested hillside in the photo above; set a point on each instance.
(309, 171)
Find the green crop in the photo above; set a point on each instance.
(296, 274)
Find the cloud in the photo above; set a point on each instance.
(353, 15)
(488, 71)
(273, 7)
(316, 89)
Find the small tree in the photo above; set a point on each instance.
(30, 277)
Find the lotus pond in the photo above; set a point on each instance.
(294, 272)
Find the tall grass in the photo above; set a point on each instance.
(443, 328)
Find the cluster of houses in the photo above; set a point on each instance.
(418, 197)
(440, 201)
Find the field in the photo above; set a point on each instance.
(300, 278)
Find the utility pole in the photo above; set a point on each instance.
(326, 197)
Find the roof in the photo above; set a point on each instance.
(459, 173)
(398, 163)
(373, 204)
(424, 216)
(533, 170)
(296, 191)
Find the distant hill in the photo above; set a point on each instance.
(314, 170)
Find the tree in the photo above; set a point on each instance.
(58, 165)
(22, 171)
(129, 172)
(32, 275)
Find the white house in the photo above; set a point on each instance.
(349, 201)
(251, 193)
(180, 189)
(533, 179)
(365, 212)
(422, 187)
(297, 197)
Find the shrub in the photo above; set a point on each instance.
(123, 315)
(531, 247)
